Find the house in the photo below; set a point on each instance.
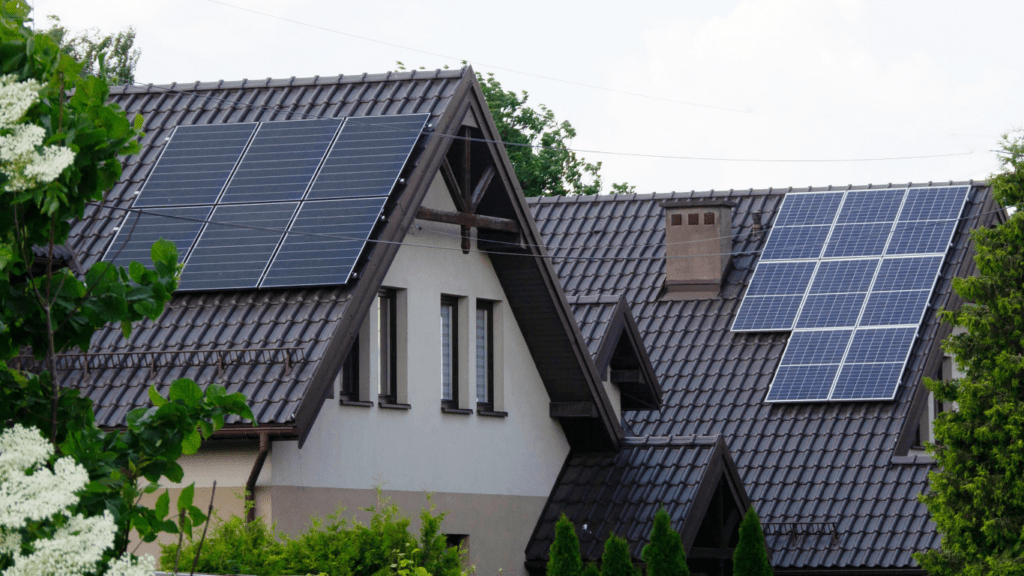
(360, 262)
(835, 482)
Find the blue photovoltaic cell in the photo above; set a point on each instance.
(817, 347)
(195, 165)
(140, 230)
(281, 161)
(324, 242)
(907, 273)
(795, 242)
(367, 157)
(868, 381)
(808, 209)
(863, 206)
(934, 203)
(842, 276)
(802, 383)
(780, 278)
(235, 248)
(857, 240)
(921, 237)
(891, 308)
(830, 311)
(767, 313)
(880, 345)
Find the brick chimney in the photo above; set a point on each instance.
(698, 240)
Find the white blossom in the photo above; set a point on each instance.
(23, 158)
(31, 492)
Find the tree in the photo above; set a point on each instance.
(564, 554)
(977, 491)
(59, 148)
(616, 560)
(112, 57)
(665, 555)
(750, 557)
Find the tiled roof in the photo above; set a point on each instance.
(811, 463)
(594, 315)
(618, 493)
(292, 318)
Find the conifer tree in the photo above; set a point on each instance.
(750, 557)
(616, 561)
(564, 554)
(591, 569)
(665, 555)
(976, 497)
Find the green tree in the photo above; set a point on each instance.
(61, 143)
(977, 491)
(564, 554)
(616, 560)
(110, 56)
(591, 569)
(750, 557)
(665, 555)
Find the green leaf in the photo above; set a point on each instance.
(165, 257)
(163, 505)
(155, 397)
(191, 443)
(136, 271)
(185, 498)
(186, 391)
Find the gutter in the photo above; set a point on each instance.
(254, 474)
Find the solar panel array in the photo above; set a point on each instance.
(272, 204)
(850, 274)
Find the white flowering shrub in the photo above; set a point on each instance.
(23, 158)
(30, 492)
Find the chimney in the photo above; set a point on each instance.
(698, 240)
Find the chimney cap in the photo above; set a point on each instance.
(698, 202)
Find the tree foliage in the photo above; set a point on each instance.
(977, 492)
(750, 558)
(564, 554)
(112, 57)
(665, 555)
(46, 310)
(616, 560)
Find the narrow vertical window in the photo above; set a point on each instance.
(449, 352)
(387, 356)
(484, 353)
(350, 373)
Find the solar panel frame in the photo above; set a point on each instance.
(182, 226)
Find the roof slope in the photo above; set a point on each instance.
(293, 318)
(824, 464)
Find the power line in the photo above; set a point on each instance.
(541, 76)
(577, 150)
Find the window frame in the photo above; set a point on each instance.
(451, 405)
(487, 307)
(387, 356)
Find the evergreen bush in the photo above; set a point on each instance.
(564, 554)
(591, 569)
(665, 555)
(750, 557)
(616, 560)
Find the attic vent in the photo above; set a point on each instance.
(697, 255)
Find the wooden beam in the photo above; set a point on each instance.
(453, 185)
(626, 376)
(467, 166)
(481, 187)
(465, 219)
(573, 410)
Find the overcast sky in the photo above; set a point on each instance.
(753, 84)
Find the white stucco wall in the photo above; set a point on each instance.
(423, 449)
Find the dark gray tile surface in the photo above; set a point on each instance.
(818, 463)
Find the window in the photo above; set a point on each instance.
(485, 354)
(449, 352)
(350, 374)
(387, 346)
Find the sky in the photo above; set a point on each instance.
(670, 96)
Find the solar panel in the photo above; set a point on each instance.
(873, 278)
(139, 231)
(235, 248)
(280, 161)
(323, 243)
(367, 156)
(195, 165)
(817, 347)
(227, 194)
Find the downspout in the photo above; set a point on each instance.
(250, 484)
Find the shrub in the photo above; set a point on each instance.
(564, 554)
(750, 557)
(616, 560)
(665, 555)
